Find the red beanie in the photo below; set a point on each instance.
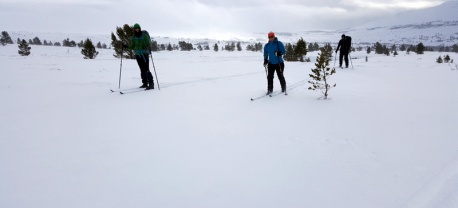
(271, 34)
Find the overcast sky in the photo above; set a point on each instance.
(192, 18)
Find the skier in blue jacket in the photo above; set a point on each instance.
(273, 52)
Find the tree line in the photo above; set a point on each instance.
(294, 51)
(420, 48)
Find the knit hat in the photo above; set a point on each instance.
(137, 26)
(271, 34)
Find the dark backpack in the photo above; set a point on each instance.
(144, 32)
(348, 43)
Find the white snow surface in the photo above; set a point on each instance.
(387, 137)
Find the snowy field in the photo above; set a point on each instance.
(386, 138)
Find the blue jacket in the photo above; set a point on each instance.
(269, 51)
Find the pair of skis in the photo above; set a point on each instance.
(129, 90)
(270, 95)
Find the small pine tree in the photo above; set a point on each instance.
(216, 47)
(420, 49)
(446, 58)
(369, 50)
(395, 53)
(290, 55)
(402, 48)
(24, 49)
(301, 49)
(387, 52)
(154, 46)
(5, 38)
(88, 50)
(239, 46)
(322, 73)
(379, 48)
(439, 60)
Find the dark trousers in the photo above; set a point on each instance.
(279, 68)
(145, 73)
(343, 55)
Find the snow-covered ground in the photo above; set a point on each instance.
(387, 137)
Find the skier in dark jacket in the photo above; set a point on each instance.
(273, 52)
(344, 51)
(140, 44)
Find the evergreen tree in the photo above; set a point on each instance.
(439, 60)
(387, 52)
(185, 46)
(316, 47)
(199, 47)
(322, 72)
(24, 49)
(123, 36)
(379, 48)
(420, 49)
(215, 47)
(239, 46)
(310, 47)
(154, 46)
(402, 48)
(395, 53)
(88, 50)
(290, 55)
(66, 42)
(2, 41)
(446, 58)
(301, 49)
(5, 38)
(368, 50)
(99, 45)
(169, 47)
(37, 41)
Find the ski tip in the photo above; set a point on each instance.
(252, 99)
(111, 90)
(121, 93)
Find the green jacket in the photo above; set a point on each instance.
(140, 45)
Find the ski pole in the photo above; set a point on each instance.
(279, 65)
(350, 57)
(157, 80)
(351, 61)
(265, 67)
(335, 57)
(120, 67)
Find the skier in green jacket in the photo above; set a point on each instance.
(141, 45)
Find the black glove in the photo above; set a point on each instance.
(265, 62)
(278, 53)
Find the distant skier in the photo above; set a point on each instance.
(141, 45)
(345, 47)
(273, 52)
